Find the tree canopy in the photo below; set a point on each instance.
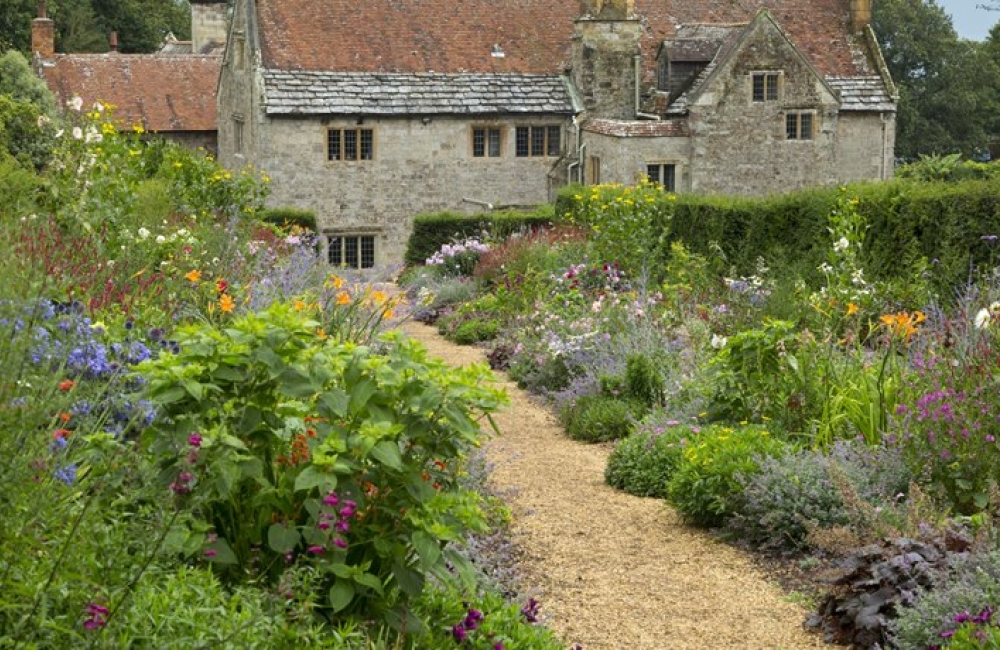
(949, 87)
(84, 25)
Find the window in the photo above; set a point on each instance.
(351, 251)
(663, 173)
(350, 144)
(765, 86)
(537, 141)
(237, 134)
(799, 126)
(485, 142)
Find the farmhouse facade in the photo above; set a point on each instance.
(369, 113)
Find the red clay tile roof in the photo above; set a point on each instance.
(452, 36)
(634, 129)
(161, 92)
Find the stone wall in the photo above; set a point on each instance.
(208, 24)
(865, 146)
(604, 66)
(624, 160)
(420, 165)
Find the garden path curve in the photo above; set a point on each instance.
(612, 570)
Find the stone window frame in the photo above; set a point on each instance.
(239, 49)
(360, 132)
(357, 249)
(525, 140)
(238, 133)
(662, 165)
(772, 84)
(487, 131)
(795, 120)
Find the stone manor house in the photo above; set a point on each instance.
(371, 112)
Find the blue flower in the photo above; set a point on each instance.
(66, 473)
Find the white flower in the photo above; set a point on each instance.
(93, 135)
(825, 268)
(98, 107)
(858, 278)
(76, 103)
(841, 245)
(59, 133)
(143, 233)
(42, 121)
(983, 319)
(77, 133)
(719, 342)
(160, 239)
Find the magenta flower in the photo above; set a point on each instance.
(340, 543)
(210, 553)
(331, 499)
(323, 525)
(97, 616)
(195, 439)
(459, 633)
(316, 550)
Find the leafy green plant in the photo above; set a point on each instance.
(706, 485)
(287, 446)
(643, 381)
(597, 418)
(643, 462)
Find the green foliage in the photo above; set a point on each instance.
(20, 82)
(598, 418)
(432, 231)
(643, 462)
(474, 321)
(18, 190)
(288, 216)
(267, 428)
(706, 485)
(475, 330)
(26, 133)
(644, 381)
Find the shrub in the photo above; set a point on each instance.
(642, 463)
(288, 216)
(475, 330)
(597, 418)
(643, 380)
(432, 231)
(706, 486)
(285, 445)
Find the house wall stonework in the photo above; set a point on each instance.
(624, 160)
(865, 146)
(417, 167)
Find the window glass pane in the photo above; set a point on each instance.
(351, 252)
(335, 248)
(367, 252)
(653, 172)
(494, 143)
(537, 141)
(333, 144)
(350, 144)
(758, 87)
(668, 177)
(772, 87)
(806, 126)
(367, 148)
(792, 126)
(521, 141)
(553, 141)
(478, 144)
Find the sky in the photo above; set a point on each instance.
(970, 21)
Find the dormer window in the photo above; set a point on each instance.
(765, 86)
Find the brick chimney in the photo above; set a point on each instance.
(43, 34)
(861, 14)
(605, 45)
(208, 24)
(113, 41)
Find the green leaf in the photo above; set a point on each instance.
(334, 403)
(340, 570)
(341, 595)
(170, 395)
(361, 392)
(370, 581)
(194, 388)
(312, 477)
(387, 453)
(228, 374)
(427, 548)
(410, 581)
(219, 552)
(282, 539)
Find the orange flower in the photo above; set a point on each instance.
(335, 281)
(379, 297)
(226, 303)
(343, 298)
(66, 384)
(851, 309)
(388, 313)
(194, 275)
(62, 433)
(903, 325)
(320, 333)
(65, 417)
(299, 305)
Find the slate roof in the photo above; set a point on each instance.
(161, 92)
(317, 92)
(862, 93)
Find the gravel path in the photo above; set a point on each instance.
(614, 570)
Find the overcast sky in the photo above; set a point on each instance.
(970, 22)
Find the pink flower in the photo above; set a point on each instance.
(316, 550)
(340, 543)
(195, 439)
(210, 553)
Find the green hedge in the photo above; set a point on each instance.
(432, 231)
(287, 216)
(910, 222)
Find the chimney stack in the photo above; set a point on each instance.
(208, 24)
(861, 14)
(608, 9)
(113, 41)
(43, 34)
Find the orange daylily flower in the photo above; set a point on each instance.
(193, 275)
(226, 303)
(335, 281)
(343, 298)
(66, 385)
(903, 324)
(299, 305)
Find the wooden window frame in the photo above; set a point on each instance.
(661, 176)
(769, 86)
(352, 250)
(357, 137)
(487, 132)
(800, 126)
(538, 141)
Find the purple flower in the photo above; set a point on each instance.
(316, 550)
(195, 439)
(210, 553)
(66, 473)
(459, 633)
(472, 619)
(331, 499)
(340, 543)
(530, 611)
(97, 616)
(323, 525)
(343, 527)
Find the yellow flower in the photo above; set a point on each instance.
(851, 309)
(388, 313)
(193, 275)
(379, 297)
(107, 128)
(299, 305)
(138, 129)
(343, 298)
(226, 303)
(336, 281)
(320, 332)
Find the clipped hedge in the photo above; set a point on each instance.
(289, 216)
(947, 225)
(432, 231)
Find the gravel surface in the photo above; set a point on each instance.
(614, 570)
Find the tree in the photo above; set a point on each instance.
(19, 82)
(949, 88)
